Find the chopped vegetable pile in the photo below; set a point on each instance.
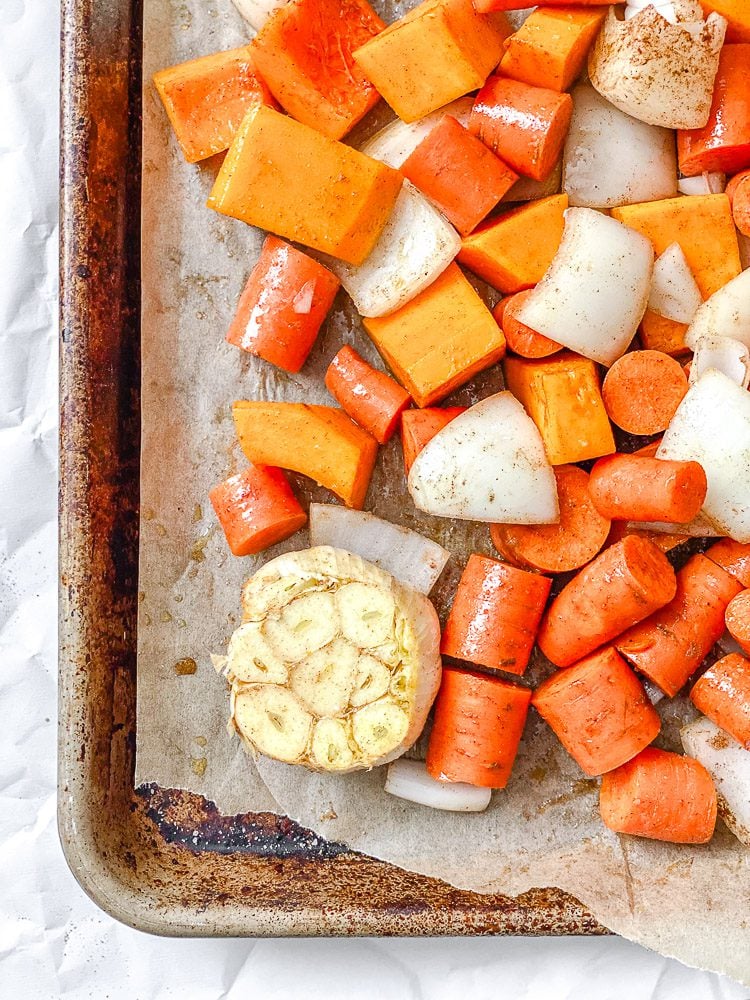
(565, 193)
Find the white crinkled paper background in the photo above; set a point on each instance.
(54, 943)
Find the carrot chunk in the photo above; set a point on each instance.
(558, 548)
(524, 125)
(636, 488)
(431, 364)
(521, 339)
(286, 177)
(283, 305)
(737, 619)
(371, 398)
(723, 692)
(723, 144)
(256, 508)
(304, 53)
(734, 557)
(495, 615)
(438, 51)
(599, 711)
(738, 192)
(207, 98)
(662, 796)
(513, 251)
(319, 441)
(624, 584)
(642, 391)
(671, 644)
(657, 333)
(420, 426)
(563, 398)
(550, 47)
(457, 172)
(478, 725)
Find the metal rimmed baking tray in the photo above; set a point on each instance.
(158, 859)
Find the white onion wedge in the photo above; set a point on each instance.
(415, 247)
(725, 314)
(527, 189)
(725, 355)
(712, 426)
(674, 291)
(411, 558)
(704, 183)
(488, 464)
(612, 159)
(408, 779)
(257, 12)
(595, 292)
(395, 143)
(653, 693)
(729, 765)
(699, 527)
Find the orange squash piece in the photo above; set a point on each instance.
(563, 397)
(286, 177)
(513, 251)
(304, 52)
(207, 98)
(658, 333)
(702, 225)
(319, 441)
(440, 339)
(440, 50)
(550, 47)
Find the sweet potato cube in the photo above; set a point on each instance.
(459, 174)
(440, 50)
(550, 47)
(286, 177)
(563, 398)
(206, 99)
(440, 339)
(304, 52)
(658, 333)
(702, 225)
(318, 441)
(513, 251)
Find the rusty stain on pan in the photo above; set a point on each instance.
(164, 860)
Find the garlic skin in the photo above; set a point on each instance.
(336, 663)
(661, 73)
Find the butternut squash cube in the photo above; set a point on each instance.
(563, 397)
(285, 177)
(440, 339)
(657, 333)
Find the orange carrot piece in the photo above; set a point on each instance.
(283, 305)
(550, 47)
(624, 584)
(723, 692)
(734, 557)
(256, 508)
(304, 53)
(737, 618)
(207, 98)
(662, 796)
(371, 398)
(723, 144)
(420, 426)
(495, 615)
(671, 644)
(478, 725)
(738, 192)
(558, 548)
(636, 488)
(524, 125)
(599, 711)
(519, 338)
(657, 333)
(318, 441)
(642, 390)
(457, 172)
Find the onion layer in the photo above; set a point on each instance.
(395, 143)
(408, 779)
(725, 314)
(729, 765)
(727, 356)
(257, 12)
(704, 183)
(674, 291)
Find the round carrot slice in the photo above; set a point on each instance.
(557, 548)
(521, 339)
(738, 191)
(738, 619)
(642, 391)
